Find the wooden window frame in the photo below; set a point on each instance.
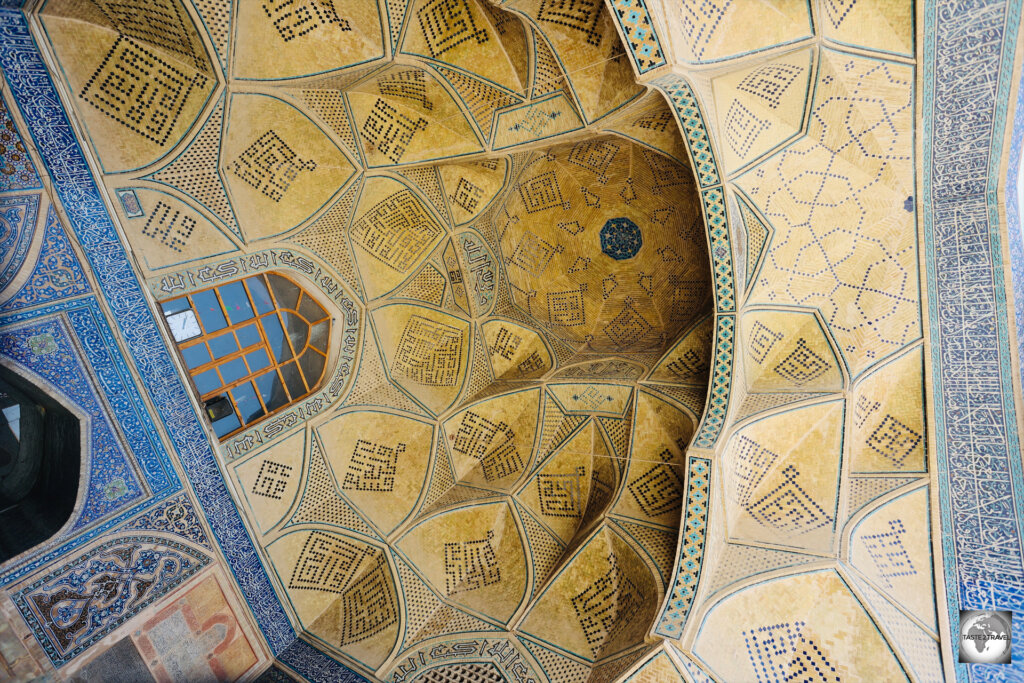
(225, 389)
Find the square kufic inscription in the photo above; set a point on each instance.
(541, 192)
(295, 18)
(389, 131)
(141, 90)
(162, 23)
(561, 495)
(373, 467)
(270, 165)
(470, 565)
(369, 606)
(396, 231)
(446, 24)
(326, 563)
(429, 353)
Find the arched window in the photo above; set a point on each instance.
(40, 458)
(252, 347)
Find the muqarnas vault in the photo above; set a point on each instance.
(536, 340)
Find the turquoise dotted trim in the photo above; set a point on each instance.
(685, 103)
(641, 38)
(691, 549)
(718, 402)
(721, 250)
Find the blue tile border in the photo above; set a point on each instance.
(1014, 227)
(968, 62)
(36, 97)
(305, 659)
(57, 273)
(124, 406)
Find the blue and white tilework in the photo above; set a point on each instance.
(47, 349)
(968, 59)
(17, 225)
(76, 604)
(57, 273)
(68, 346)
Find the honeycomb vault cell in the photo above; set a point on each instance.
(604, 245)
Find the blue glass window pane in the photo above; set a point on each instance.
(285, 291)
(257, 360)
(311, 310)
(293, 380)
(298, 330)
(223, 345)
(207, 382)
(209, 311)
(272, 390)
(236, 303)
(260, 295)
(248, 405)
(248, 336)
(226, 425)
(233, 370)
(196, 355)
(176, 306)
(275, 336)
(312, 364)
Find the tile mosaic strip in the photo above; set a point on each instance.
(717, 224)
(683, 100)
(968, 54)
(640, 36)
(691, 549)
(705, 165)
(721, 378)
(78, 603)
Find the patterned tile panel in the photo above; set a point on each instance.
(80, 602)
(17, 172)
(972, 392)
(56, 275)
(721, 378)
(17, 225)
(684, 101)
(175, 515)
(691, 554)
(638, 28)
